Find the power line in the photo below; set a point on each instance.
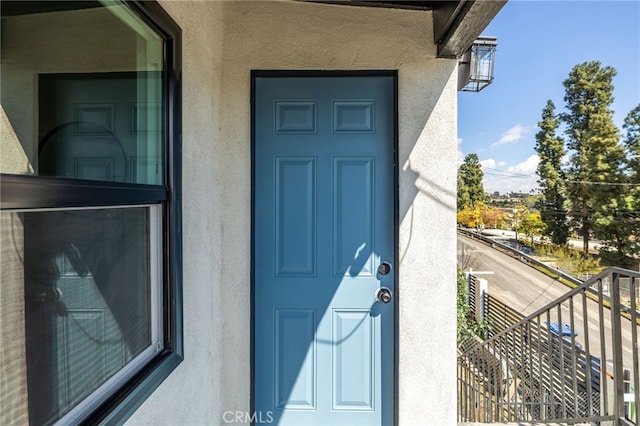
(600, 183)
(512, 175)
(530, 175)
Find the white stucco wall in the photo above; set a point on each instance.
(222, 43)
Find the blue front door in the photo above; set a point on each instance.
(323, 248)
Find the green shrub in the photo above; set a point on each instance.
(467, 324)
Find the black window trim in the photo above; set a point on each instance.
(20, 192)
(40, 192)
(124, 403)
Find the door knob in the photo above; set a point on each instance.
(384, 295)
(384, 268)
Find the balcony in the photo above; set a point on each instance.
(572, 361)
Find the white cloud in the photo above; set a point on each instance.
(519, 178)
(528, 167)
(514, 134)
(489, 163)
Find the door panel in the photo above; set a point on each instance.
(353, 215)
(353, 356)
(323, 223)
(295, 209)
(295, 359)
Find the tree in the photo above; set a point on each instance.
(632, 143)
(464, 198)
(620, 219)
(596, 154)
(521, 210)
(492, 216)
(599, 189)
(471, 217)
(532, 225)
(470, 188)
(479, 215)
(550, 149)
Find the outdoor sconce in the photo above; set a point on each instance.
(475, 67)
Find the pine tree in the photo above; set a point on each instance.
(470, 188)
(550, 149)
(464, 199)
(630, 206)
(617, 221)
(632, 143)
(595, 164)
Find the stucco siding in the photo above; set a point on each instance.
(427, 328)
(222, 43)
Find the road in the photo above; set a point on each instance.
(524, 288)
(527, 290)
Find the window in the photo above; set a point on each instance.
(90, 308)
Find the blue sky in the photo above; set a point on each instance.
(539, 42)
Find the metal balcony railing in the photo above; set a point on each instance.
(573, 361)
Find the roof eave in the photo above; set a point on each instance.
(458, 24)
